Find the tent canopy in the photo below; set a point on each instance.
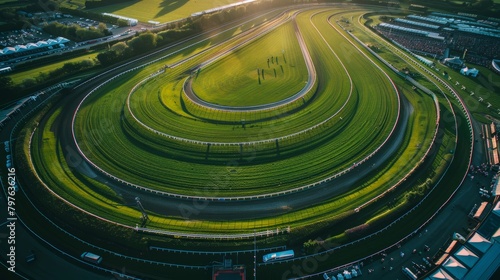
(466, 256)
(455, 268)
(480, 243)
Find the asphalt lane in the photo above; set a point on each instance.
(49, 264)
(437, 235)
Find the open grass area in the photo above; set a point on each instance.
(161, 10)
(256, 74)
(73, 4)
(18, 77)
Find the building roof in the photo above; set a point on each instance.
(30, 46)
(455, 268)
(480, 243)
(469, 71)
(8, 50)
(52, 42)
(487, 264)
(62, 40)
(454, 60)
(466, 257)
(496, 187)
(440, 274)
(20, 48)
(41, 44)
(34, 46)
(496, 209)
(496, 65)
(496, 236)
(416, 23)
(433, 20)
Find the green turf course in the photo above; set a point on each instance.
(332, 218)
(237, 79)
(330, 148)
(89, 195)
(109, 98)
(159, 104)
(106, 133)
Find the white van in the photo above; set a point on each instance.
(90, 257)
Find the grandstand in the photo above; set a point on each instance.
(438, 35)
(451, 16)
(428, 19)
(479, 256)
(416, 23)
(417, 44)
(491, 142)
(433, 35)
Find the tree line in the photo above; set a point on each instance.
(190, 26)
(76, 33)
(9, 88)
(101, 3)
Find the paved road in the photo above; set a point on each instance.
(48, 264)
(453, 218)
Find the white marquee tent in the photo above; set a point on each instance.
(480, 243)
(440, 274)
(466, 257)
(455, 268)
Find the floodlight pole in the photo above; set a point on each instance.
(254, 257)
(139, 204)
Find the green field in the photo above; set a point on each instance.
(160, 10)
(18, 77)
(255, 75)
